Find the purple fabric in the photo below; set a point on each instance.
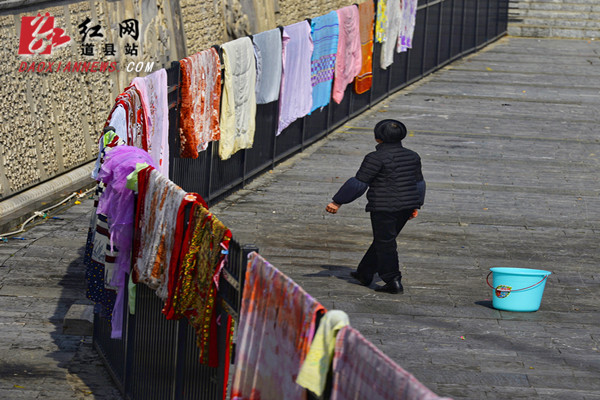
(295, 98)
(117, 203)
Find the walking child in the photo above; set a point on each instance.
(396, 190)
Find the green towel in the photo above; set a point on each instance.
(132, 178)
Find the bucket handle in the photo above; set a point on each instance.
(487, 279)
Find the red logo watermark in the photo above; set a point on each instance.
(40, 36)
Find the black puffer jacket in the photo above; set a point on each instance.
(392, 173)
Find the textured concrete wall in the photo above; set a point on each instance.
(50, 120)
(209, 22)
(296, 10)
(203, 23)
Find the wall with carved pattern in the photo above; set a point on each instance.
(49, 122)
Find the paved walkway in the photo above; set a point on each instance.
(511, 154)
(510, 148)
(41, 276)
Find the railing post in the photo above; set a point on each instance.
(462, 27)
(426, 9)
(487, 22)
(129, 345)
(439, 41)
(274, 153)
(497, 29)
(244, 167)
(390, 72)
(208, 169)
(476, 21)
(351, 102)
(450, 53)
(303, 132)
(180, 346)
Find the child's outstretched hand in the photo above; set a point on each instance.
(332, 207)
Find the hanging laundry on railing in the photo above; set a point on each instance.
(277, 323)
(295, 98)
(185, 227)
(118, 120)
(363, 81)
(407, 25)
(238, 102)
(324, 31)
(313, 374)
(349, 56)
(162, 199)
(135, 134)
(94, 261)
(267, 50)
(108, 141)
(100, 256)
(200, 92)
(143, 177)
(381, 22)
(116, 203)
(153, 90)
(362, 371)
(195, 291)
(388, 48)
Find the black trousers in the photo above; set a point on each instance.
(382, 255)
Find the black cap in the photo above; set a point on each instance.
(390, 131)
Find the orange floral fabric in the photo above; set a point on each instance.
(200, 102)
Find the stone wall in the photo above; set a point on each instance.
(210, 22)
(51, 115)
(296, 10)
(203, 24)
(50, 120)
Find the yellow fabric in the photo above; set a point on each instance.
(238, 101)
(313, 373)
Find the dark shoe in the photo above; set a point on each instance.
(392, 287)
(358, 277)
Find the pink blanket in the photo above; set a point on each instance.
(349, 55)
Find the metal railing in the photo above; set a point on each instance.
(446, 30)
(158, 358)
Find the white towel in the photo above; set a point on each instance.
(238, 102)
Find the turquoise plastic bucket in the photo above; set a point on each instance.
(517, 289)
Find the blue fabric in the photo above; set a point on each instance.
(324, 31)
(350, 191)
(421, 188)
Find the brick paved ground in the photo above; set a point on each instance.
(511, 153)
